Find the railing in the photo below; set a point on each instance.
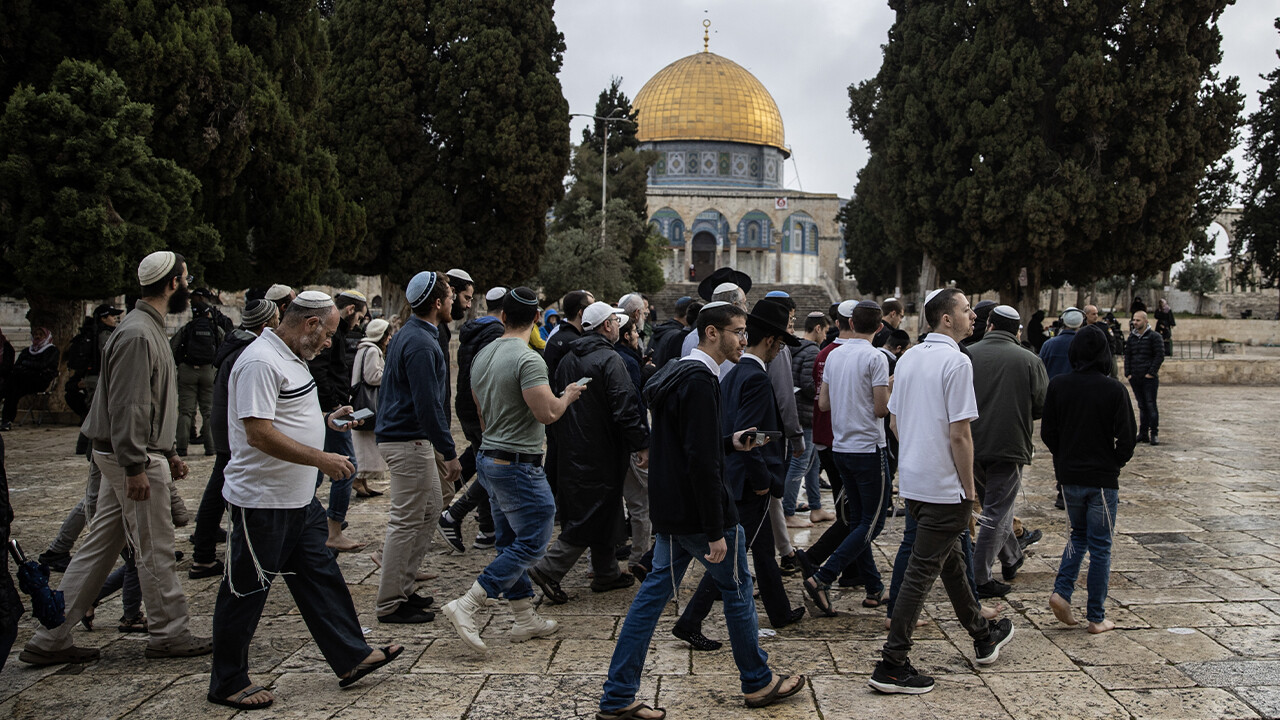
(1192, 350)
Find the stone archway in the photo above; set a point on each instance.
(703, 251)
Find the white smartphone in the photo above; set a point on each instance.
(363, 414)
(583, 381)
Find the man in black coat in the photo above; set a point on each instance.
(676, 326)
(594, 438)
(1143, 354)
(751, 477)
(569, 329)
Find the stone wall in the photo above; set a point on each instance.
(1222, 370)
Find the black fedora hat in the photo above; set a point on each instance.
(771, 317)
(707, 287)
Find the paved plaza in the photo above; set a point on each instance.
(1195, 592)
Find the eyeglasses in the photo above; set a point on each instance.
(742, 334)
(189, 279)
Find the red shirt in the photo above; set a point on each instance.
(822, 434)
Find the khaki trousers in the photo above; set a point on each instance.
(415, 499)
(145, 526)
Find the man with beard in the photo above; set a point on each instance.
(595, 437)
(274, 424)
(694, 517)
(331, 370)
(464, 291)
(132, 427)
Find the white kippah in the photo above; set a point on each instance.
(278, 292)
(1007, 311)
(155, 266)
(313, 299)
(724, 287)
(932, 294)
(846, 308)
(496, 293)
(354, 295)
(716, 304)
(462, 275)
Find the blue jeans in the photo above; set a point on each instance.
(1091, 512)
(866, 485)
(904, 554)
(805, 467)
(524, 513)
(339, 488)
(671, 556)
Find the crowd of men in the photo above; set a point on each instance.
(650, 444)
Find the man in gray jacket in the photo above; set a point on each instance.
(132, 427)
(1010, 383)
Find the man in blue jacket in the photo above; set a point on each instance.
(413, 425)
(1053, 353)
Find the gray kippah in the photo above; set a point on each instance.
(257, 312)
(419, 288)
(867, 305)
(313, 300)
(1007, 311)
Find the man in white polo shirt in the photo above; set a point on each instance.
(931, 407)
(278, 528)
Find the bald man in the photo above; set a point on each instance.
(1143, 355)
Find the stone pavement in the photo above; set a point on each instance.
(1195, 591)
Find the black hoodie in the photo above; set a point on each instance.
(1088, 416)
(475, 336)
(228, 352)
(687, 492)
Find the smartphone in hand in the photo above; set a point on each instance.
(356, 416)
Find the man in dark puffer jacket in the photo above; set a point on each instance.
(1143, 355)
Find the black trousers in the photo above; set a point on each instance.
(288, 544)
(754, 517)
(475, 497)
(209, 516)
(839, 530)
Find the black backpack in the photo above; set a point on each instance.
(200, 341)
(82, 352)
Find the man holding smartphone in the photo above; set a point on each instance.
(694, 517)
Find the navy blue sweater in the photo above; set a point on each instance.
(411, 400)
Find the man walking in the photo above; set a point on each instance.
(412, 428)
(596, 437)
(932, 404)
(1053, 353)
(1088, 426)
(514, 401)
(195, 346)
(332, 372)
(278, 527)
(1143, 355)
(694, 517)
(132, 425)
(1009, 382)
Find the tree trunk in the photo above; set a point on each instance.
(927, 282)
(1053, 302)
(1080, 303)
(897, 288)
(393, 303)
(63, 318)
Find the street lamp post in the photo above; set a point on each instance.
(604, 159)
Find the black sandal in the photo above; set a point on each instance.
(237, 701)
(775, 694)
(87, 620)
(630, 713)
(134, 624)
(875, 601)
(365, 668)
(206, 571)
(820, 594)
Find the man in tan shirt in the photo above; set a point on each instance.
(132, 425)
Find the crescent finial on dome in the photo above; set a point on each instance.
(706, 35)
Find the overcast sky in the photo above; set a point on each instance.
(807, 53)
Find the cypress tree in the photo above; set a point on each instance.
(1255, 248)
(1077, 140)
(452, 132)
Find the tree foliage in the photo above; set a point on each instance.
(628, 181)
(82, 195)
(1256, 245)
(576, 260)
(451, 130)
(1078, 140)
(1197, 276)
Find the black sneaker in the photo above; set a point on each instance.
(622, 552)
(622, 581)
(789, 565)
(1155, 438)
(484, 541)
(1009, 572)
(57, 562)
(1059, 504)
(900, 679)
(993, 589)
(407, 614)
(450, 531)
(1029, 538)
(550, 588)
(696, 639)
(421, 602)
(988, 651)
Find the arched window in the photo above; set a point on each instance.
(677, 232)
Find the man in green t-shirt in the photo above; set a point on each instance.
(514, 400)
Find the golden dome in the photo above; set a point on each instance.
(708, 97)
